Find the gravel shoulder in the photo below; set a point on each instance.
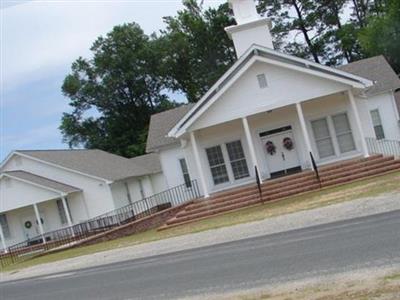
(381, 283)
(337, 212)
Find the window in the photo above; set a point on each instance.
(262, 81)
(343, 132)
(237, 159)
(61, 211)
(323, 138)
(377, 123)
(185, 172)
(4, 226)
(217, 165)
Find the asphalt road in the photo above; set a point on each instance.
(371, 241)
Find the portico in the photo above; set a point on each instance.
(278, 141)
(40, 205)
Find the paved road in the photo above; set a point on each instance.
(371, 241)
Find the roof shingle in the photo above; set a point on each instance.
(46, 182)
(161, 124)
(376, 69)
(94, 162)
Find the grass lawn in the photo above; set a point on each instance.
(365, 188)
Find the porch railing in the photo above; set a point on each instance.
(383, 146)
(123, 215)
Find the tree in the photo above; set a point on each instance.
(382, 34)
(113, 94)
(292, 18)
(197, 50)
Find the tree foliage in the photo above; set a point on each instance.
(197, 50)
(382, 34)
(113, 94)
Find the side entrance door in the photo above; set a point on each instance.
(280, 151)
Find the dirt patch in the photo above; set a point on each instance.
(383, 284)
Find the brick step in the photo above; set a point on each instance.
(360, 164)
(360, 169)
(207, 205)
(266, 188)
(284, 187)
(212, 212)
(375, 171)
(272, 196)
(350, 162)
(215, 208)
(234, 206)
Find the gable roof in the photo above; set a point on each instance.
(95, 163)
(42, 181)
(376, 69)
(149, 162)
(161, 124)
(259, 53)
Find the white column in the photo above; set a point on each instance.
(39, 222)
(304, 130)
(251, 145)
(3, 240)
(198, 164)
(67, 214)
(358, 123)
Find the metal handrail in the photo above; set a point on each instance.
(258, 181)
(315, 168)
(383, 146)
(123, 215)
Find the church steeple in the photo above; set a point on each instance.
(251, 28)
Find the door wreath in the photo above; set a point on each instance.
(28, 224)
(288, 143)
(270, 147)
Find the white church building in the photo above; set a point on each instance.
(270, 112)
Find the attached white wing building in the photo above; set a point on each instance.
(64, 187)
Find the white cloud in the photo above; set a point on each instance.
(38, 37)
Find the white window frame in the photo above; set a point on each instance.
(336, 134)
(227, 162)
(380, 123)
(237, 160)
(332, 132)
(221, 147)
(188, 182)
(330, 137)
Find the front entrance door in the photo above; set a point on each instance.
(280, 151)
(30, 225)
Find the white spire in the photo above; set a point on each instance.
(251, 28)
(244, 11)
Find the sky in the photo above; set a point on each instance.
(39, 40)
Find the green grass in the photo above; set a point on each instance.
(393, 277)
(365, 188)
